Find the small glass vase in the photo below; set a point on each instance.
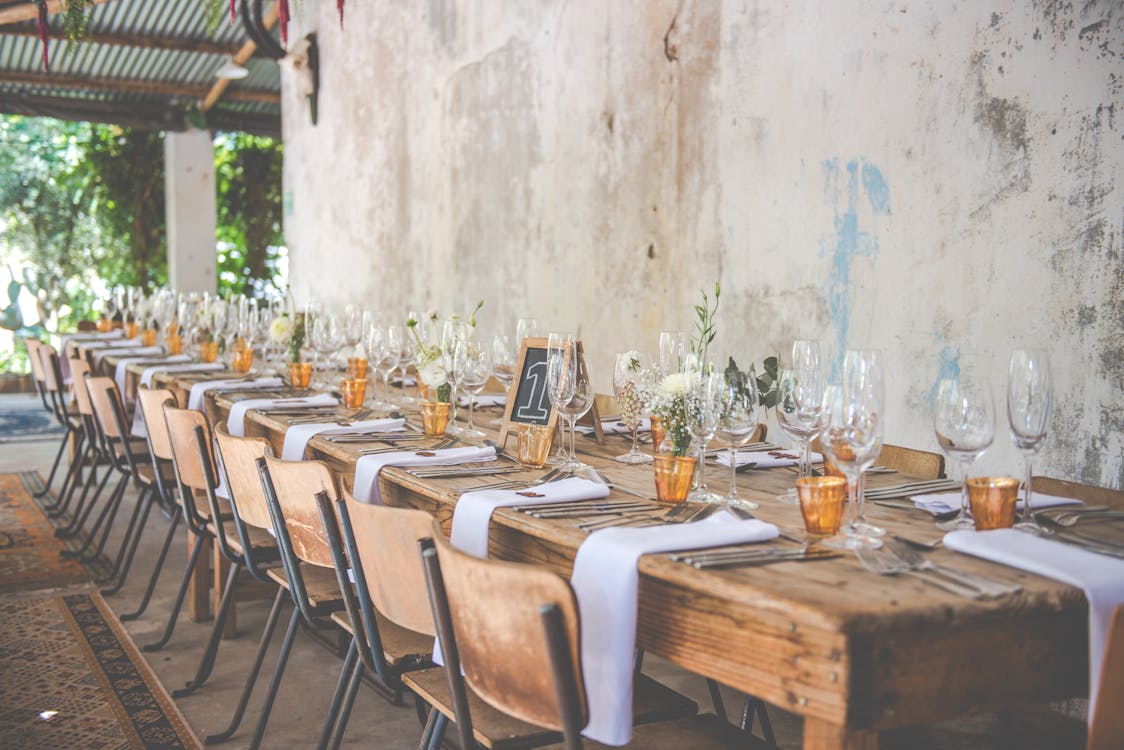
(673, 477)
(208, 351)
(300, 374)
(435, 416)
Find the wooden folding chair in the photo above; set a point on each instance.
(1107, 730)
(510, 633)
(68, 418)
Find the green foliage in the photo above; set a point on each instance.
(705, 330)
(767, 392)
(76, 20)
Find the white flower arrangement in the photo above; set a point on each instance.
(433, 374)
(281, 329)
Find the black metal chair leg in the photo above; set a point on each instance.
(207, 662)
(755, 706)
(70, 482)
(155, 571)
(85, 506)
(240, 710)
(129, 544)
(342, 685)
(103, 521)
(716, 698)
(187, 573)
(427, 732)
(349, 702)
(282, 659)
(54, 467)
(439, 728)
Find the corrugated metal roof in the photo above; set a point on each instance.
(142, 81)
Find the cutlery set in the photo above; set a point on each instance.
(912, 488)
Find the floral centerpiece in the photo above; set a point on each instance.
(289, 331)
(429, 358)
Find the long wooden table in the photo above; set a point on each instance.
(852, 652)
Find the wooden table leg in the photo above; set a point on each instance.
(199, 589)
(820, 735)
(221, 568)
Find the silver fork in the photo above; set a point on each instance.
(885, 564)
(987, 586)
(510, 485)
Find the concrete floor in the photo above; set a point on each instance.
(312, 671)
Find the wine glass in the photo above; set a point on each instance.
(351, 326)
(526, 328)
(630, 367)
(737, 424)
(407, 356)
(964, 423)
(674, 346)
(472, 368)
(503, 360)
(561, 374)
(576, 408)
(852, 425)
(453, 333)
(704, 406)
(379, 356)
(1030, 401)
(800, 401)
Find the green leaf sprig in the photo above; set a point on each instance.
(705, 329)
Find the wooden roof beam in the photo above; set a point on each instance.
(240, 57)
(27, 11)
(133, 86)
(139, 41)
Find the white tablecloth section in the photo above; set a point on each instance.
(199, 390)
(298, 435)
(1099, 576)
(766, 459)
(123, 364)
(948, 502)
(149, 372)
(125, 347)
(236, 420)
(473, 512)
(606, 582)
(366, 483)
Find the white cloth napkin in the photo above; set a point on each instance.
(948, 502)
(764, 460)
(123, 364)
(615, 427)
(365, 486)
(1099, 576)
(199, 390)
(473, 512)
(484, 399)
(149, 372)
(236, 420)
(133, 351)
(405, 382)
(606, 581)
(298, 435)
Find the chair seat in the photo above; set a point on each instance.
(320, 583)
(399, 645)
(651, 701)
(259, 539)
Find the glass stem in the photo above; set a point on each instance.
(471, 413)
(635, 447)
(1028, 512)
(573, 420)
(805, 458)
(852, 500)
(963, 489)
(860, 491)
(453, 418)
(733, 472)
(702, 467)
(386, 385)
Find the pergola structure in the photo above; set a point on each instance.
(143, 64)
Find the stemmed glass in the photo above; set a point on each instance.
(737, 425)
(629, 368)
(407, 356)
(852, 434)
(704, 402)
(576, 408)
(351, 327)
(561, 377)
(800, 401)
(503, 360)
(473, 368)
(674, 346)
(383, 358)
(964, 423)
(526, 328)
(454, 332)
(1030, 401)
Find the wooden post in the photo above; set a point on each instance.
(198, 591)
(820, 735)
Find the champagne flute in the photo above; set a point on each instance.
(964, 424)
(674, 346)
(561, 373)
(800, 401)
(704, 406)
(630, 367)
(737, 424)
(473, 368)
(1030, 401)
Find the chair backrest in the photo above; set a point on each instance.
(907, 460)
(1086, 492)
(33, 345)
(386, 543)
(185, 453)
(151, 403)
(106, 401)
(1106, 732)
(295, 484)
(239, 461)
(496, 609)
(79, 370)
(49, 362)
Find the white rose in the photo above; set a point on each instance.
(674, 384)
(433, 375)
(280, 330)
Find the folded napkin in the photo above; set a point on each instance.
(122, 348)
(298, 435)
(615, 427)
(484, 399)
(146, 376)
(473, 512)
(123, 364)
(605, 581)
(948, 502)
(236, 420)
(199, 390)
(1099, 576)
(365, 487)
(766, 459)
(404, 382)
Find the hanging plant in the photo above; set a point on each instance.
(75, 24)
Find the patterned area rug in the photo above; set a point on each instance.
(72, 678)
(24, 418)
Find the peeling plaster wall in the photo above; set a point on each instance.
(925, 177)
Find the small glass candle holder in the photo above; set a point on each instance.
(357, 367)
(105, 325)
(208, 351)
(173, 342)
(354, 392)
(130, 330)
(300, 374)
(673, 476)
(533, 444)
(435, 416)
(993, 501)
(148, 337)
(242, 359)
(821, 504)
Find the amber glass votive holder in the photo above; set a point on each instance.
(993, 501)
(208, 351)
(533, 444)
(105, 325)
(357, 367)
(673, 476)
(435, 416)
(354, 392)
(148, 337)
(173, 342)
(130, 330)
(242, 359)
(821, 504)
(300, 374)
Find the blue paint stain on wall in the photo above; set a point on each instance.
(848, 242)
(948, 367)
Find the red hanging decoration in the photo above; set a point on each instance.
(44, 31)
(232, 2)
(339, 7)
(283, 15)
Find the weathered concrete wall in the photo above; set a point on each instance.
(924, 177)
